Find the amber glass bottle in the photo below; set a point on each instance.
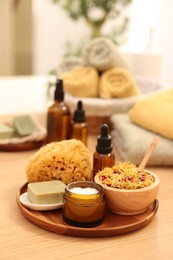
(103, 156)
(78, 124)
(58, 116)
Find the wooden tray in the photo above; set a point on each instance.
(113, 224)
(21, 146)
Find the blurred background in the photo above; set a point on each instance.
(34, 36)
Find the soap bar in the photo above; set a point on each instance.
(6, 131)
(46, 192)
(24, 125)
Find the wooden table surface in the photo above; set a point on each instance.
(21, 239)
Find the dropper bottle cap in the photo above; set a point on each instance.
(79, 114)
(59, 91)
(104, 141)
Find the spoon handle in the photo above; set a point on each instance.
(148, 153)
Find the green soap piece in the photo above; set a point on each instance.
(6, 131)
(46, 192)
(24, 125)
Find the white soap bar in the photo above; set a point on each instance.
(47, 192)
(85, 191)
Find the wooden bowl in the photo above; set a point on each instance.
(130, 202)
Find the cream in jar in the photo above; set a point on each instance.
(85, 191)
(84, 204)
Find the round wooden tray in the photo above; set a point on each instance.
(113, 224)
(21, 146)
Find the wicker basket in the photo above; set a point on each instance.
(95, 122)
(98, 110)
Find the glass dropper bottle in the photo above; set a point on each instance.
(79, 125)
(58, 116)
(103, 156)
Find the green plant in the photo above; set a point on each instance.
(97, 12)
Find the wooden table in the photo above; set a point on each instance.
(21, 239)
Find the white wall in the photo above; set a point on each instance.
(52, 28)
(156, 14)
(164, 37)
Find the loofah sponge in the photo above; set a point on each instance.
(81, 82)
(117, 82)
(67, 160)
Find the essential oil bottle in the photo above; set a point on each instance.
(58, 116)
(103, 156)
(79, 125)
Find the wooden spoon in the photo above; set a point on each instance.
(153, 144)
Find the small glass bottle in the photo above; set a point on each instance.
(79, 125)
(58, 116)
(83, 209)
(103, 156)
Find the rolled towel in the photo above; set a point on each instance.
(155, 113)
(102, 54)
(69, 63)
(117, 82)
(132, 142)
(81, 82)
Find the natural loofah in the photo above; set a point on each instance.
(69, 63)
(81, 82)
(67, 160)
(117, 82)
(102, 54)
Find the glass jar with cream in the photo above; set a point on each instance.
(84, 204)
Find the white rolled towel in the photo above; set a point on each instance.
(102, 54)
(68, 64)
